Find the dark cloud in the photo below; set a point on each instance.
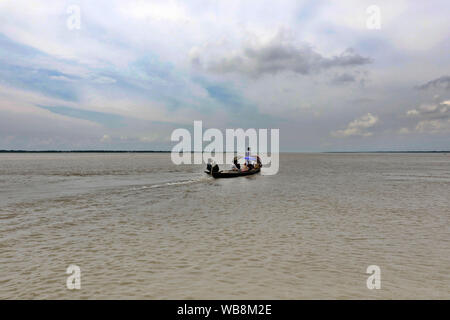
(361, 100)
(442, 82)
(282, 55)
(347, 59)
(343, 79)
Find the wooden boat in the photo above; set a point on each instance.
(234, 173)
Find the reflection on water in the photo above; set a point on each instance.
(140, 227)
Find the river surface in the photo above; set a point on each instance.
(141, 227)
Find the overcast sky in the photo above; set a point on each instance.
(135, 70)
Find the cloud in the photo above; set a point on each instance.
(343, 79)
(61, 78)
(358, 127)
(106, 119)
(433, 126)
(105, 138)
(439, 83)
(278, 54)
(403, 130)
(115, 77)
(431, 111)
(104, 80)
(432, 118)
(412, 112)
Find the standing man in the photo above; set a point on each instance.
(247, 156)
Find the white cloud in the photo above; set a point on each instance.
(105, 138)
(432, 118)
(358, 127)
(433, 126)
(61, 78)
(413, 112)
(439, 110)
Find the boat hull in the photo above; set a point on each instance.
(234, 173)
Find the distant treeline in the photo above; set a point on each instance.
(443, 151)
(81, 151)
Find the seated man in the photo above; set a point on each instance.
(236, 164)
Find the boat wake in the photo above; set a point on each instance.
(173, 183)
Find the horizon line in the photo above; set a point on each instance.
(166, 151)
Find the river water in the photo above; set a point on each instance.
(139, 226)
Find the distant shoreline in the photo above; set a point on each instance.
(81, 151)
(386, 151)
(161, 151)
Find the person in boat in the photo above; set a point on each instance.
(215, 168)
(258, 162)
(247, 156)
(209, 166)
(235, 165)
